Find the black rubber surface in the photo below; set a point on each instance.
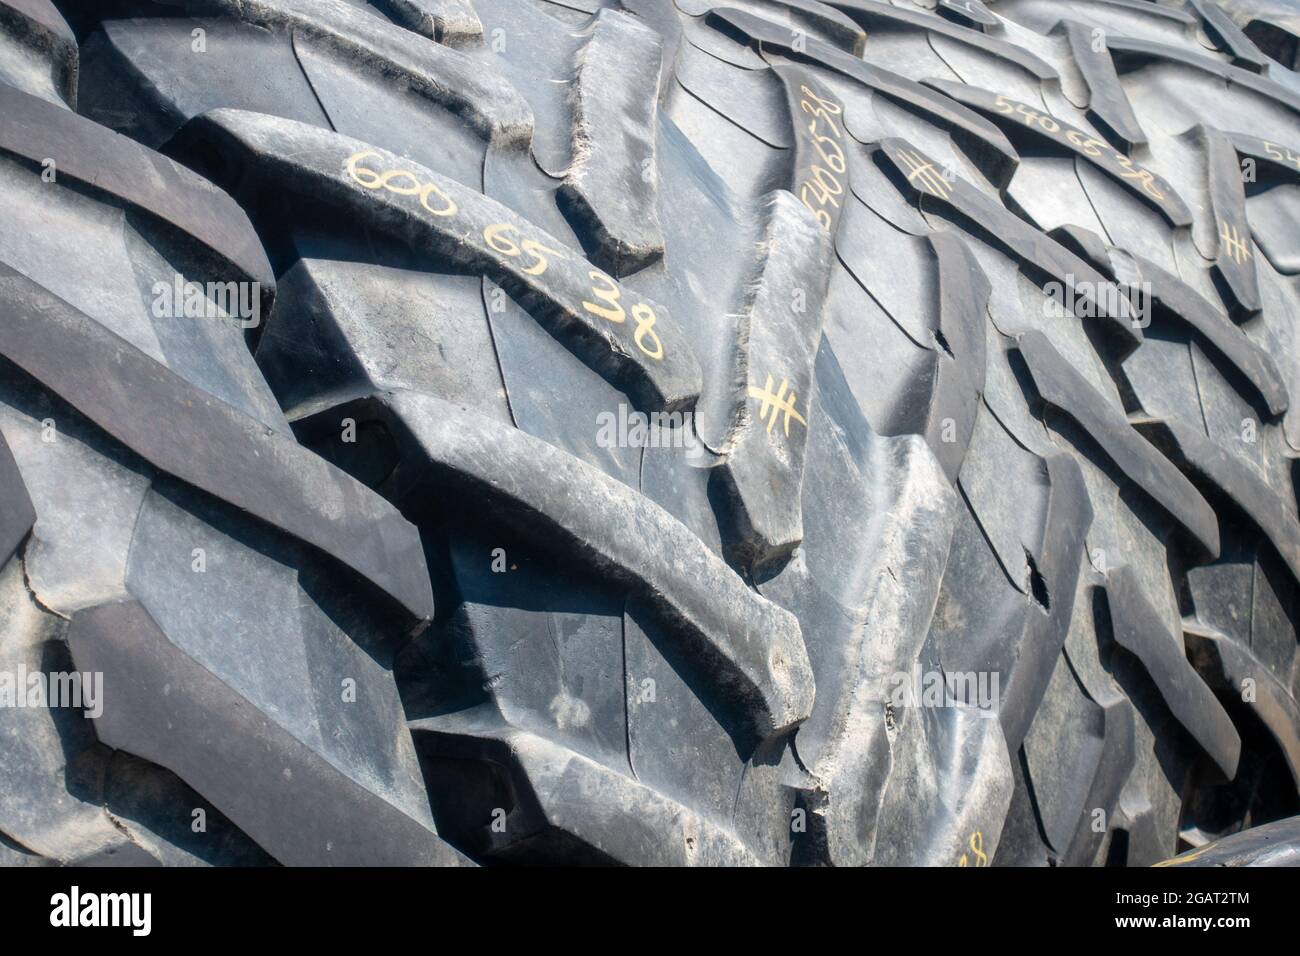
(762, 432)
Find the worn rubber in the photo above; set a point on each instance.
(369, 582)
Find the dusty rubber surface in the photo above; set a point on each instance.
(762, 432)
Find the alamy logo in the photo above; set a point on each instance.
(181, 299)
(632, 429)
(134, 910)
(23, 688)
(1086, 299)
(946, 689)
